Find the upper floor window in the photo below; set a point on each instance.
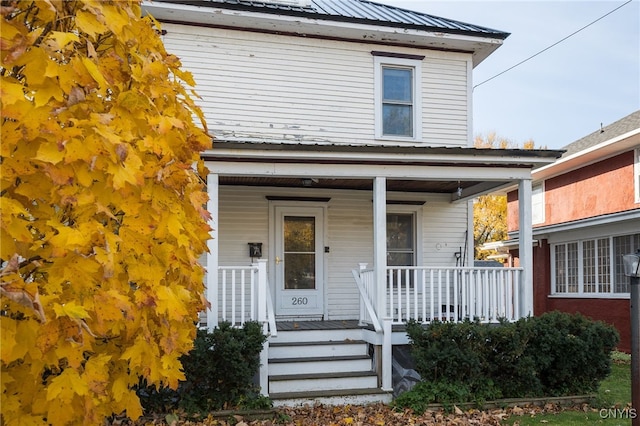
(398, 109)
(537, 203)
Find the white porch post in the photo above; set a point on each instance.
(212, 256)
(526, 247)
(263, 372)
(380, 243)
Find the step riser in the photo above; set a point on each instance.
(316, 336)
(334, 400)
(323, 384)
(300, 351)
(314, 367)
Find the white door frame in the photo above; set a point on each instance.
(284, 308)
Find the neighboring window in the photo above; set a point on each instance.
(636, 174)
(398, 98)
(537, 203)
(593, 266)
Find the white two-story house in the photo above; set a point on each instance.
(342, 174)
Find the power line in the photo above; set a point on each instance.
(554, 44)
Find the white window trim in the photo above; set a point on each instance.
(581, 294)
(417, 216)
(636, 174)
(379, 62)
(540, 217)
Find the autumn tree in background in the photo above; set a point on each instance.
(102, 218)
(490, 211)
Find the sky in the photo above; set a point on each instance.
(567, 92)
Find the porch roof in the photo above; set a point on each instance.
(408, 168)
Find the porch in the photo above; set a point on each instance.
(358, 350)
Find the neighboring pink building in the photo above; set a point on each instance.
(586, 215)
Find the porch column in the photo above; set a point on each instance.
(526, 246)
(380, 243)
(212, 256)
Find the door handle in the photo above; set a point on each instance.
(278, 260)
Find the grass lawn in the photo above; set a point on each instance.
(611, 407)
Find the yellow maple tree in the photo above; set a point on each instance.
(102, 210)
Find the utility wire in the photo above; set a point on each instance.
(554, 44)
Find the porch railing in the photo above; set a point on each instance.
(452, 294)
(243, 295)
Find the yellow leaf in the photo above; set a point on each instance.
(48, 91)
(65, 386)
(71, 310)
(10, 93)
(89, 23)
(95, 74)
(63, 38)
(50, 153)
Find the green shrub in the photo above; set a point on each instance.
(572, 353)
(550, 355)
(219, 373)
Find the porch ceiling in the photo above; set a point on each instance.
(442, 187)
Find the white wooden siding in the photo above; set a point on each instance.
(244, 217)
(267, 87)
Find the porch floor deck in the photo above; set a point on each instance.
(329, 325)
(317, 325)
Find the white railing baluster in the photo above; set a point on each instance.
(224, 295)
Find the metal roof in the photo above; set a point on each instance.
(357, 11)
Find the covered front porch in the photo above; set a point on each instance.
(347, 196)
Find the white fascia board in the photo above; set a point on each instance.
(365, 171)
(309, 155)
(591, 222)
(480, 47)
(594, 154)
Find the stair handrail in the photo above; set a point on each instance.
(366, 301)
(271, 316)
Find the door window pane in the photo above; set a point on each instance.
(299, 271)
(299, 252)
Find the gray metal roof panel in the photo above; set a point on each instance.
(355, 11)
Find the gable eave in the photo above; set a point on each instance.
(480, 44)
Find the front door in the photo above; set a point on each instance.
(299, 261)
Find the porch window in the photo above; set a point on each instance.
(398, 93)
(592, 267)
(401, 239)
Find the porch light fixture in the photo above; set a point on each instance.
(308, 182)
(631, 263)
(459, 190)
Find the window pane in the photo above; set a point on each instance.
(299, 234)
(561, 268)
(399, 259)
(299, 271)
(604, 266)
(589, 266)
(397, 120)
(572, 268)
(397, 84)
(622, 245)
(400, 231)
